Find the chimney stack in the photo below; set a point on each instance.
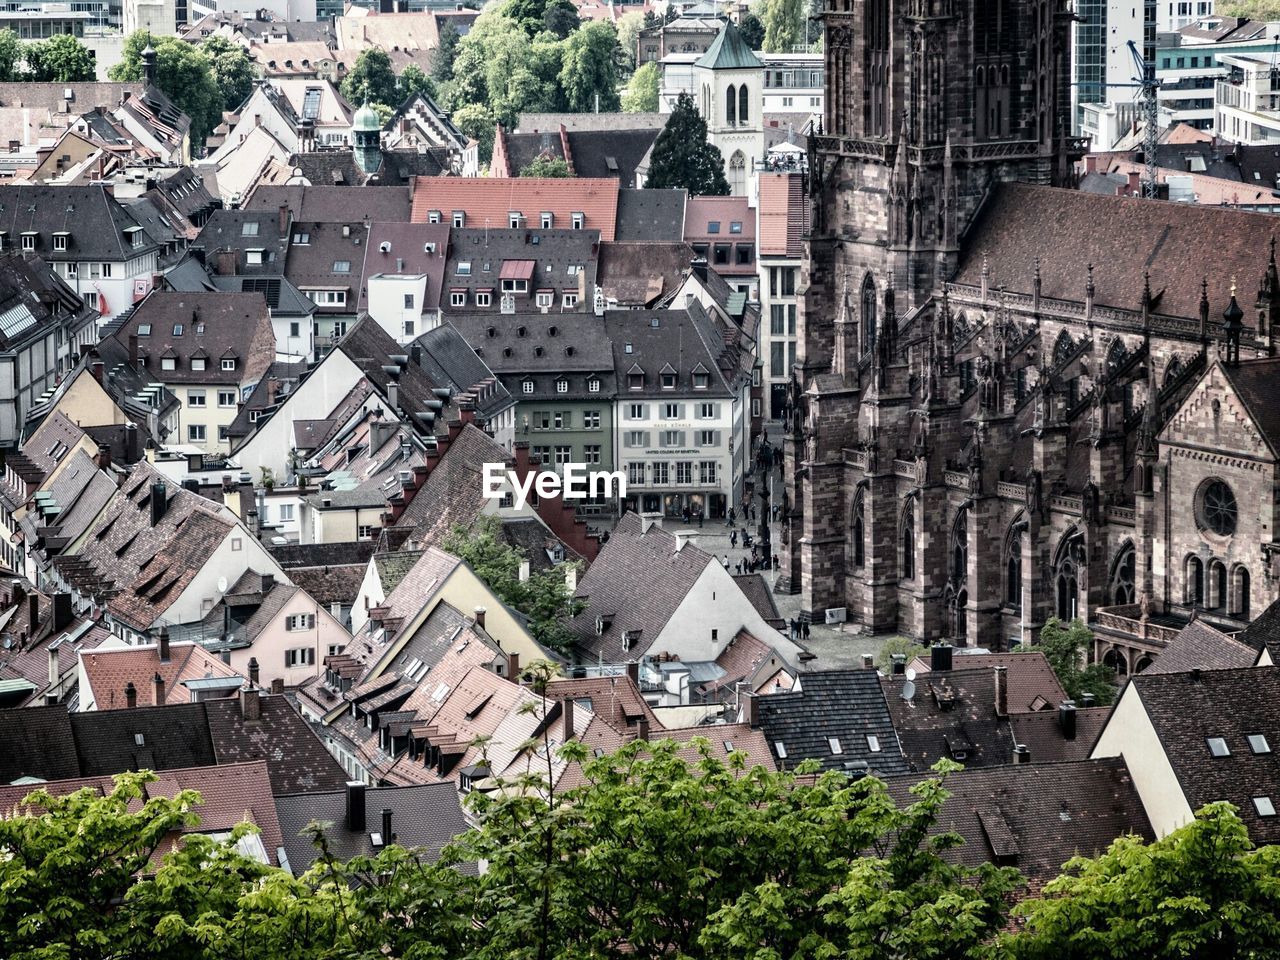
(250, 704)
(1087, 700)
(1067, 719)
(284, 219)
(253, 671)
(393, 395)
(55, 670)
(566, 714)
(163, 643)
(1002, 691)
(480, 612)
(1021, 753)
(868, 662)
(104, 457)
(388, 837)
(513, 667)
(33, 615)
(158, 682)
(940, 657)
(642, 729)
(277, 686)
(751, 709)
(130, 695)
(899, 663)
(355, 806)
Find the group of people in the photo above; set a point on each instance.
(799, 629)
(752, 564)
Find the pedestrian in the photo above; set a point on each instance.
(726, 561)
(738, 567)
(804, 627)
(733, 516)
(774, 510)
(733, 539)
(775, 563)
(700, 519)
(792, 625)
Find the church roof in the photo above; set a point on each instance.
(728, 51)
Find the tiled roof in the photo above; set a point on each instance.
(700, 213)
(296, 758)
(636, 583)
(425, 817)
(741, 660)
(229, 796)
(651, 216)
(1036, 816)
(784, 215)
(1199, 646)
(653, 339)
(610, 153)
(453, 493)
(38, 742)
(1032, 683)
(1124, 238)
(952, 714)
(329, 204)
(1188, 708)
(756, 589)
(1255, 382)
(329, 585)
(369, 347)
(493, 199)
(847, 705)
(448, 358)
(615, 699)
(110, 670)
(1264, 632)
(640, 274)
(158, 738)
(1043, 734)
(402, 248)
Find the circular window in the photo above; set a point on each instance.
(1217, 508)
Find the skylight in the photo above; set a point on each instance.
(781, 748)
(728, 746)
(873, 743)
(249, 228)
(1264, 806)
(1218, 747)
(1258, 743)
(834, 744)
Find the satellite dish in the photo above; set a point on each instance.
(908, 690)
(911, 674)
(222, 584)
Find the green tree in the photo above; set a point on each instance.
(752, 31)
(476, 121)
(682, 157)
(232, 70)
(60, 59)
(529, 14)
(546, 167)
(442, 58)
(10, 56)
(1264, 10)
(589, 75)
(629, 27)
(183, 72)
(1066, 649)
(783, 25)
(896, 645)
(1204, 892)
(561, 18)
(641, 93)
(371, 79)
(413, 81)
(544, 597)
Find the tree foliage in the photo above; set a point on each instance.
(752, 30)
(589, 75)
(682, 157)
(183, 72)
(784, 25)
(10, 56)
(413, 81)
(561, 18)
(629, 27)
(546, 167)
(60, 59)
(232, 70)
(475, 120)
(641, 93)
(371, 79)
(442, 57)
(1066, 647)
(544, 597)
(1203, 892)
(1264, 10)
(896, 645)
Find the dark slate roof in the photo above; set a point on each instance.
(94, 218)
(952, 714)
(1036, 816)
(610, 153)
(1187, 708)
(329, 204)
(757, 591)
(1199, 646)
(283, 298)
(448, 358)
(845, 704)
(1257, 383)
(38, 742)
(370, 348)
(546, 347)
(1045, 736)
(1264, 632)
(425, 817)
(316, 264)
(650, 340)
(226, 231)
(296, 759)
(323, 554)
(651, 216)
(39, 299)
(553, 253)
(453, 494)
(173, 736)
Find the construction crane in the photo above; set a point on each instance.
(1148, 99)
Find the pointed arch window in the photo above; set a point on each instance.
(868, 316)
(960, 550)
(744, 111)
(1013, 571)
(908, 566)
(858, 531)
(1122, 577)
(1195, 582)
(1066, 576)
(731, 105)
(1240, 593)
(1063, 347)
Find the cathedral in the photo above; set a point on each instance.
(1013, 400)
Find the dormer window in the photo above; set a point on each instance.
(547, 220)
(578, 220)
(593, 385)
(29, 240)
(459, 219)
(527, 386)
(168, 363)
(228, 363)
(514, 219)
(562, 385)
(668, 381)
(197, 364)
(464, 268)
(135, 236)
(433, 216)
(635, 381)
(60, 240)
(701, 380)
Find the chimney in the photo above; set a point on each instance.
(388, 837)
(158, 682)
(1021, 753)
(940, 657)
(104, 458)
(415, 354)
(513, 667)
(268, 582)
(159, 502)
(355, 806)
(1067, 719)
(566, 714)
(277, 686)
(633, 671)
(1091, 163)
(1002, 691)
(480, 612)
(163, 643)
(868, 662)
(253, 670)
(33, 614)
(751, 709)
(1087, 700)
(62, 612)
(132, 451)
(1135, 182)
(250, 705)
(130, 695)
(642, 729)
(393, 395)
(55, 672)
(899, 663)
(284, 219)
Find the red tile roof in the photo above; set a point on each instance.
(109, 671)
(493, 199)
(784, 214)
(700, 212)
